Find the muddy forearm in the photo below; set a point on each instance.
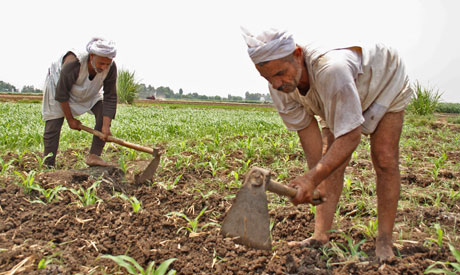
(66, 109)
(310, 139)
(339, 152)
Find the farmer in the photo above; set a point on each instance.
(353, 90)
(73, 87)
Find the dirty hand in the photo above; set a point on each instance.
(106, 131)
(306, 191)
(74, 124)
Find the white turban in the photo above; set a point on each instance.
(269, 45)
(102, 47)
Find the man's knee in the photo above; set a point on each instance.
(385, 160)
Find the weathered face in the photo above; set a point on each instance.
(283, 75)
(99, 63)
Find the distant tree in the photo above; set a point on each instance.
(181, 92)
(234, 98)
(254, 97)
(30, 89)
(164, 92)
(127, 87)
(7, 87)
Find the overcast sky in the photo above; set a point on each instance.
(197, 45)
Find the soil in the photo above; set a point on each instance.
(75, 237)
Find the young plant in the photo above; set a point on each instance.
(370, 230)
(439, 163)
(51, 193)
(123, 164)
(136, 204)
(203, 195)
(4, 165)
(28, 182)
(87, 196)
(350, 251)
(216, 259)
(192, 223)
(133, 267)
(41, 160)
(446, 270)
(440, 235)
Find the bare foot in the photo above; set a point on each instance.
(310, 242)
(94, 160)
(383, 250)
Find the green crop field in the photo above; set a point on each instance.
(80, 225)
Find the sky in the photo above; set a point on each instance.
(198, 46)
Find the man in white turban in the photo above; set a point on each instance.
(77, 84)
(353, 90)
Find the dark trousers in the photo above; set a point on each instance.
(53, 132)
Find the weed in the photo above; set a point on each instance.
(440, 235)
(192, 223)
(133, 267)
(27, 182)
(446, 270)
(349, 251)
(87, 196)
(425, 100)
(370, 230)
(5, 166)
(135, 203)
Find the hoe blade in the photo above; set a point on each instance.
(247, 220)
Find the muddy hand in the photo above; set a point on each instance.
(74, 124)
(306, 192)
(106, 132)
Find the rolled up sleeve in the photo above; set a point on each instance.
(293, 113)
(110, 93)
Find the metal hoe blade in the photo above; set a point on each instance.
(248, 221)
(151, 168)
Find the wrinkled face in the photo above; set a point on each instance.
(283, 75)
(99, 63)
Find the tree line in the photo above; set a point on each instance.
(7, 87)
(150, 92)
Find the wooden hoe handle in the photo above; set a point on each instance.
(117, 141)
(290, 192)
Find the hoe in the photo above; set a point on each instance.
(147, 174)
(247, 221)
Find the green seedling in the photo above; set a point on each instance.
(20, 156)
(5, 166)
(192, 223)
(370, 230)
(135, 203)
(123, 164)
(440, 236)
(203, 195)
(216, 259)
(350, 250)
(44, 262)
(41, 160)
(455, 267)
(51, 194)
(439, 163)
(27, 182)
(87, 196)
(133, 267)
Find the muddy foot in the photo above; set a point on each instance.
(94, 160)
(310, 242)
(384, 251)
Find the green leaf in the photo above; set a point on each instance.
(455, 252)
(164, 266)
(121, 261)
